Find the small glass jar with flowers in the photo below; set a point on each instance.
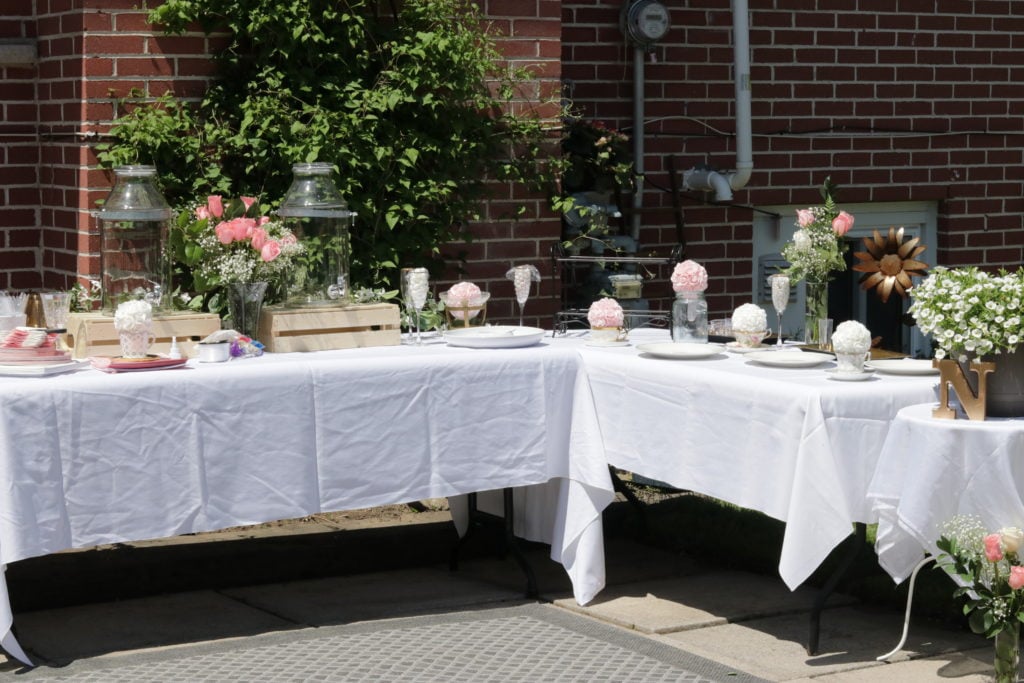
(690, 308)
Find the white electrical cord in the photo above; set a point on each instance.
(906, 616)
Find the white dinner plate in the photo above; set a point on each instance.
(903, 366)
(680, 351)
(494, 336)
(788, 359)
(833, 373)
(736, 348)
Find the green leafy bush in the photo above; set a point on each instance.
(414, 108)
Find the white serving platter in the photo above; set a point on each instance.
(788, 359)
(494, 337)
(903, 366)
(681, 351)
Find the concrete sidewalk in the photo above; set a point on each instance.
(747, 626)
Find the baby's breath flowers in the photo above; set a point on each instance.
(970, 313)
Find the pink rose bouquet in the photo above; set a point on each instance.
(818, 245)
(987, 568)
(689, 276)
(222, 241)
(605, 312)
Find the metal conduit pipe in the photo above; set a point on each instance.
(638, 139)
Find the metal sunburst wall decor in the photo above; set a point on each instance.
(889, 263)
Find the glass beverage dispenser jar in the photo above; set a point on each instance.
(318, 215)
(133, 225)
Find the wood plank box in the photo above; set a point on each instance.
(336, 327)
(93, 334)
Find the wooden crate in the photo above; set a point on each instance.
(93, 334)
(335, 327)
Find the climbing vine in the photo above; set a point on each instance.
(413, 105)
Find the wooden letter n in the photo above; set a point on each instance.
(951, 373)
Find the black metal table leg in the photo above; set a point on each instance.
(859, 535)
(471, 516)
(510, 544)
(634, 503)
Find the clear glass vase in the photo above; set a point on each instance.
(816, 302)
(690, 318)
(245, 302)
(1007, 646)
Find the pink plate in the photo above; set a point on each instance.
(130, 364)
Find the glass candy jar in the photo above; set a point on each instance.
(133, 224)
(690, 317)
(319, 217)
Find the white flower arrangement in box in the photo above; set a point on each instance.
(970, 313)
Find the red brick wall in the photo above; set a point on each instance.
(906, 102)
(20, 238)
(89, 53)
(94, 51)
(531, 38)
(904, 105)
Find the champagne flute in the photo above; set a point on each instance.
(415, 283)
(780, 298)
(523, 278)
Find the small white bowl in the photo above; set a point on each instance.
(216, 352)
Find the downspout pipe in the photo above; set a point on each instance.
(723, 184)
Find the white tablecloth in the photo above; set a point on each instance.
(931, 470)
(91, 458)
(790, 443)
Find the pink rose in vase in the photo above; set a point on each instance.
(842, 223)
(993, 547)
(1016, 579)
(689, 276)
(225, 233)
(804, 217)
(270, 251)
(259, 238)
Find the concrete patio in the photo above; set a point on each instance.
(661, 614)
